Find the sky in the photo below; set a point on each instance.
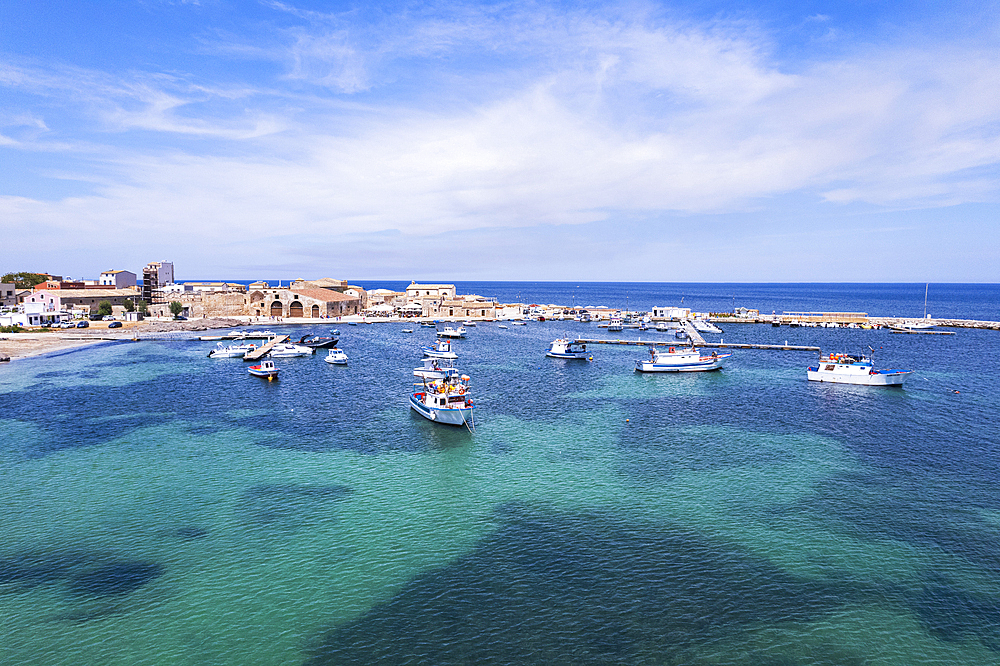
(693, 141)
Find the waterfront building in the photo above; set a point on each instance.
(417, 292)
(117, 279)
(308, 302)
(660, 312)
(460, 306)
(155, 275)
(8, 294)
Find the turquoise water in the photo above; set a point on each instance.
(163, 507)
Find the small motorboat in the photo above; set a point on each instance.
(501, 326)
(407, 330)
(319, 341)
(231, 351)
(687, 359)
(563, 348)
(848, 369)
(428, 324)
(289, 350)
(444, 400)
(451, 332)
(336, 357)
(518, 322)
(265, 369)
(681, 334)
(441, 349)
(468, 322)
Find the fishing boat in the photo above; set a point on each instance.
(849, 369)
(685, 359)
(615, 324)
(451, 332)
(501, 326)
(441, 349)
(336, 357)
(428, 324)
(289, 350)
(518, 322)
(320, 341)
(468, 322)
(407, 330)
(434, 368)
(444, 400)
(231, 351)
(563, 348)
(265, 369)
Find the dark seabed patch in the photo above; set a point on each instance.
(191, 532)
(289, 506)
(583, 589)
(83, 573)
(954, 614)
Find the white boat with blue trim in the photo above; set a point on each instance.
(443, 396)
(265, 369)
(441, 349)
(336, 357)
(452, 332)
(685, 359)
(848, 369)
(568, 349)
(231, 351)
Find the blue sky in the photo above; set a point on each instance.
(645, 141)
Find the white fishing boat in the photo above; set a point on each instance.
(434, 368)
(336, 357)
(615, 324)
(848, 369)
(563, 348)
(441, 349)
(290, 350)
(683, 359)
(451, 332)
(518, 322)
(501, 326)
(231, 351)
(407, 330)
(265, 369)
(444, 400)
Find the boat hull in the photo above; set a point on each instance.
(270, 374)
(579, 356)
(877, 378)
(683, 363)
(456, 416)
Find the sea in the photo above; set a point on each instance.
(163, 507)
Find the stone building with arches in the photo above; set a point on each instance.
(304, 302)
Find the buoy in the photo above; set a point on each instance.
(626, 420)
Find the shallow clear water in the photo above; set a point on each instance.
(164, 507)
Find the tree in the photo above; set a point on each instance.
(24, 280)
(142, 307)
(128, 305)
(104, 308)
(176, 308)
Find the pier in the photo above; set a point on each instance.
(684, 343)
(261, 351)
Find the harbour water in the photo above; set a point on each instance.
(161, 507)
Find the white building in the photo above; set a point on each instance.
(676, 314)
(117, 279)
(417, 292)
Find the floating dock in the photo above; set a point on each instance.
(918, 332)
(261, 351)
(684, 343)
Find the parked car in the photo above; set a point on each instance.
(83, 324)
(180, 318)
(115, 324)
(67, 324)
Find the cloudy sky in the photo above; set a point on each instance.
(702, 140)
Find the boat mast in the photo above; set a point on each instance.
(925, 298)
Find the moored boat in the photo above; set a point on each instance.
(289, 350)
(441, 349)
(451, 332)
(685, 359)
(336, 357)
(563, 348)
(265, 369)
(849, 369)
(231, 351)
(320, 341)
(444, 400)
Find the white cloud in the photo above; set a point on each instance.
(583, 118)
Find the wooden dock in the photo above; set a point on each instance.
(261, 351)
(919, 332)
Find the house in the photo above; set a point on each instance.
(417, 292)
(42, 307)
(156, 274)
(670, 313)
(8, 294)
(117, 279)
(308, 302)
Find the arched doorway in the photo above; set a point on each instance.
(276, 309)
(295, 309)
(315, 311)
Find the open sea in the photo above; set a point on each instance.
(161, 507)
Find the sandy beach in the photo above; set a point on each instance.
(24, 345)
